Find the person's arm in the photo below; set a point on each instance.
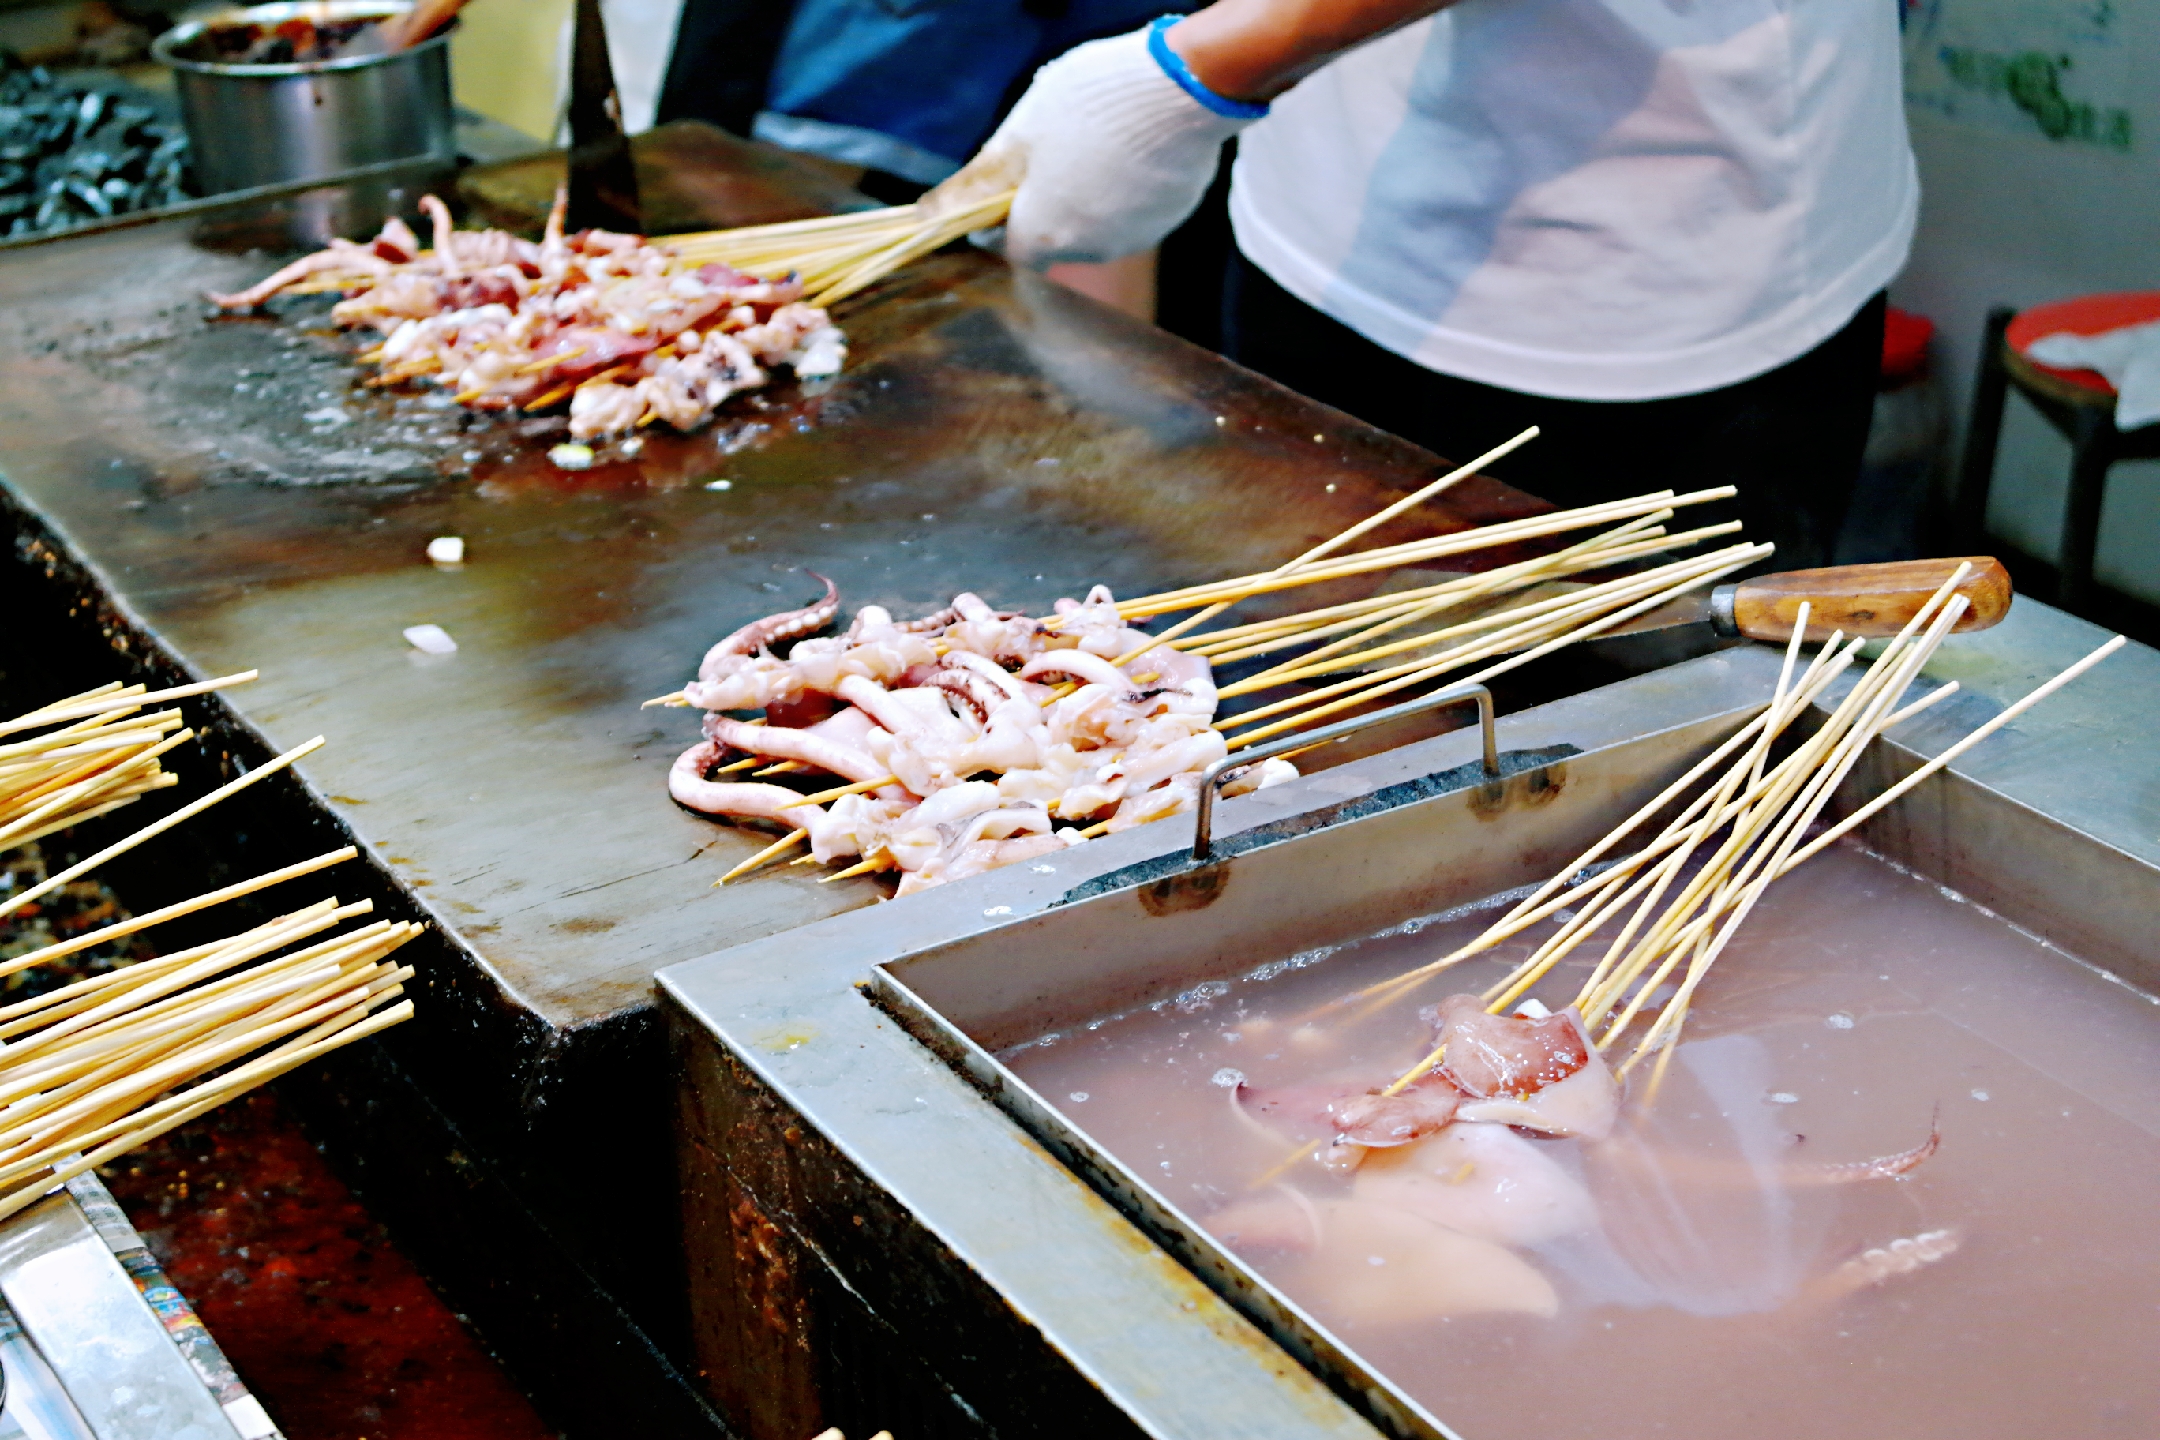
(1256, 49)
(1114, 143)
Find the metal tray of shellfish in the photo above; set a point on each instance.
(1892, 1181)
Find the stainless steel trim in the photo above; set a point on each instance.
(1211, 779)
(90, 1323)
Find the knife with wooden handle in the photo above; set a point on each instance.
(1864, 600)
(1869, 600)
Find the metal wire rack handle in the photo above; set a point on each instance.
(1211, 779)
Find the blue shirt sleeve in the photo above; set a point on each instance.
(914, 86)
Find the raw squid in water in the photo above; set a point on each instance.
(1369, 1264)
(1483, 1180)
(1464, 1162)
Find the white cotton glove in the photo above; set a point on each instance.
(1114, 154)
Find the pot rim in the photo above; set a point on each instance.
(162, 48)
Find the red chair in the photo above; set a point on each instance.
(2080, 404)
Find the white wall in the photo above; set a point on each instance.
(511, 61)
(2009, 216)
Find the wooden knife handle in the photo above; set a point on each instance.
(1871, 600)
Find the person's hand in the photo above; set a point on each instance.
(1110, 154)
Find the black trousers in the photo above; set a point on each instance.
(1791, 440)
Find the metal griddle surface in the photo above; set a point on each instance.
(252, 506)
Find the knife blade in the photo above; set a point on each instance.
(602, 173)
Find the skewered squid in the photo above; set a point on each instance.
(625, 332)
(974, 737)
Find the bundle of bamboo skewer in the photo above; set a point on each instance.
(97, 1067)
(1509, 637)
(104, 753)
(837, 255)
(1749, 820)
(1746, 821)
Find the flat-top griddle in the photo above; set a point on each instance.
(201, 494)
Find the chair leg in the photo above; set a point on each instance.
(2092, 451)
(1983, 431)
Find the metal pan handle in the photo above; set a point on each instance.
(1211, 778)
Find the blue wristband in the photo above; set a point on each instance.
(1173, 64)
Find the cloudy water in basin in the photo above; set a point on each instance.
(1727, 1262)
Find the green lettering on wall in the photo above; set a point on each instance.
(2033, 81)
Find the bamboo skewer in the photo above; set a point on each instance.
(75, 1081)
(1573, 886)
(110, 731)
(102, 1074)
(1680, 929)
(1770, 809)
(2033, 698)
(107, 1062)
(873, 861)
(1530, 630)
(1820, 766)
(139, 923)
(73, 1021)
(1599, 551)
(197, 1038)
(1240, 642)
(1557, 892)
(858, 788)
(717, 241)
(1515, 985)
(933, 236)
(159, 827)
(1361, 620)
(779, 847)
(200, 1100)
(129, 697)
(1742, 892)
(1364, 562)
(1722, 810)
(104, 753)
(1408, 553)
(1328, 659)
(99, 782)
(1363, 527)
(836, 256)
(79, 995)
(1552, 633)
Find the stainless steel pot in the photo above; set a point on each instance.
(262, 124)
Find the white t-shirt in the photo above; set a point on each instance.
(1593, 199)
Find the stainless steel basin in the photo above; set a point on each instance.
(264, 124)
